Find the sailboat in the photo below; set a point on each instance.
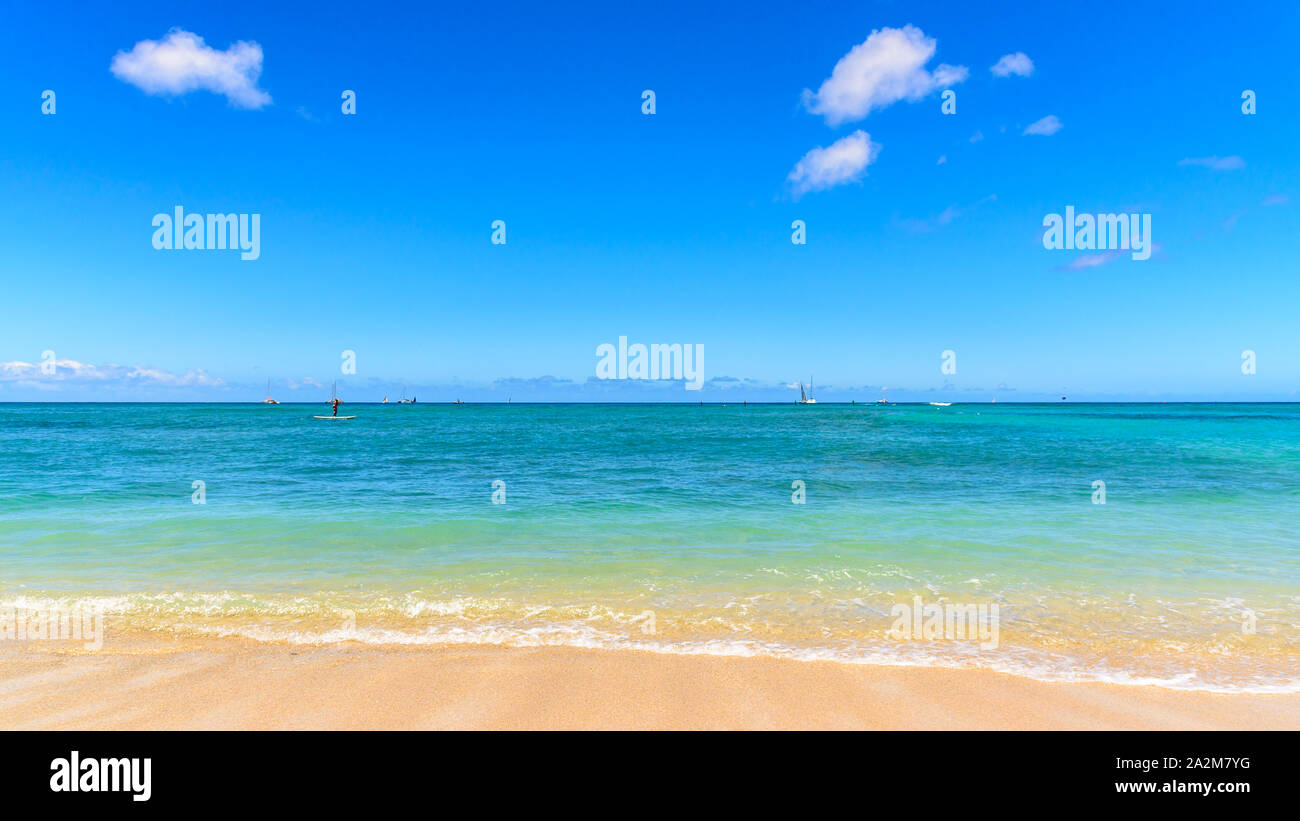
(268, 400)
(804, 398)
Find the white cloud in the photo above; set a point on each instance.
(887, 67)
(845, 160)
(72, 371)
(1018, 64)
(181, 63)
(1046, 127)
(192, 377)
(1233, 163)
(1275, 199)
(307, 382)
(943, 158)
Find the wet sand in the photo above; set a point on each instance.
(228, 683)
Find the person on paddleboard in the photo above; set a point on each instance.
(335, 402)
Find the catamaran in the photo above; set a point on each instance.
(268, 400)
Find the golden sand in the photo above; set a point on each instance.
(228, 683)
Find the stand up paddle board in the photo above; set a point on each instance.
(333, 417)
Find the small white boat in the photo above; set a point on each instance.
(268, 400)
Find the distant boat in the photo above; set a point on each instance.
(804, 398)
(883, 401)
(941, 404)
(268, 400)
(385, 402)
(334, 394)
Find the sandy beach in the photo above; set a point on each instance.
(227, 683)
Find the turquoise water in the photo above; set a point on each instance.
(672, 528)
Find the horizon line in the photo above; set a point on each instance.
(686, 403)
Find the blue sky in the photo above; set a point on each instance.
(670, 228)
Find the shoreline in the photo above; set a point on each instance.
(233, 683)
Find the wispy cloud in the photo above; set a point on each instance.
(944, 217)
(1045, 127)
(1232, 163)
(1085, 261)
(887, 67)
(1275, 199)
(845, 160)
(532, 383)
(1017, 64)
(181, 63)
(71, 371)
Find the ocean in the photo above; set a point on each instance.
(829, 532)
